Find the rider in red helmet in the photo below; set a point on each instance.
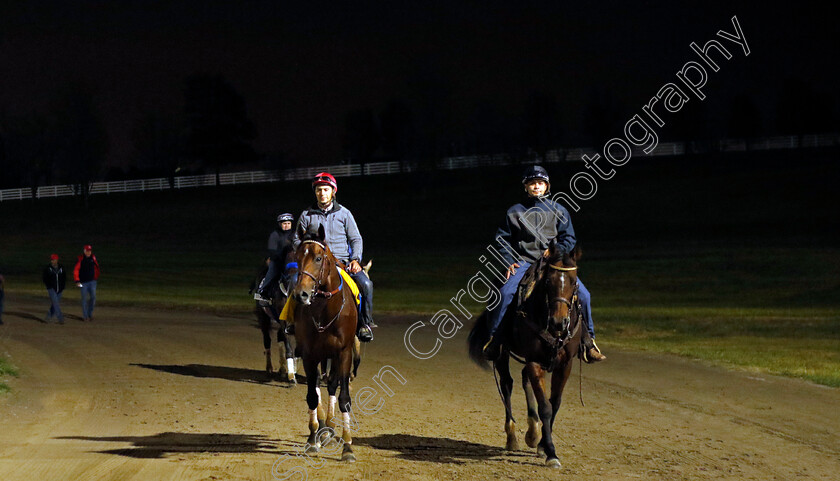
(343, 239)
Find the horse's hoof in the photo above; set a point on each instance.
(512, 445)
(312, 449)
(552, 463)
(540, 451)
(348, 457)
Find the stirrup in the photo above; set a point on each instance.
(596, 357)
(365, 334)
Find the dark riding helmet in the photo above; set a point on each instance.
(285, 217)
(535, 172)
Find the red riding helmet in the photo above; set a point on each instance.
(325, 178)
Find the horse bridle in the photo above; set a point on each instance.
(565, 334)
(319, 292)
(318, 281)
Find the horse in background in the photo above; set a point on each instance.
(325, 319)
(544, 333)
(268, 312)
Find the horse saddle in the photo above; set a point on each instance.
(527, 284)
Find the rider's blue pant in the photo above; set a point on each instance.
(508, 290)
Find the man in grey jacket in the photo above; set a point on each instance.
(343, 239)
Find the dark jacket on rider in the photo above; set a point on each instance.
(530, 225)
(278, 241)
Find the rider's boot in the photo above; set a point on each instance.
(591, 352)
(260, 294)
(365, 332)
(492, 349)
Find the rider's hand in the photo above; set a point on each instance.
(354, 267)
(78, 284)
(546, 253)
(511, 270)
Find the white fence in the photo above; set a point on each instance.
(386, 168)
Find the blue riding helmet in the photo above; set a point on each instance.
(535, 172)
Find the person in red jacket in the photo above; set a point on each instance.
(85, 275)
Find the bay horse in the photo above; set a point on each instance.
(546, 338)
(325, 320)
(266, 312)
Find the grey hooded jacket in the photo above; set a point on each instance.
(343, 237)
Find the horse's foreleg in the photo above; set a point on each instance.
(502, 366)
(332, 387)
(558, 383)
(344, 406)
(265, 327)
(537, 377)
(532, 437)
(316, 411)
(288, 353)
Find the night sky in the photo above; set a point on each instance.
(302, 66)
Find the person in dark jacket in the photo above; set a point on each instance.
(523, 237)
(279, 244)
(55, 278)
(86, 273)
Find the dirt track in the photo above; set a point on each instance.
(144, 394)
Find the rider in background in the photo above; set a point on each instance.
(279, 242)
(343, 239)
(529, 246)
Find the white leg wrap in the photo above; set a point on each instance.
(345, 418)
(318, 391)
(290, 365)
(333, 402)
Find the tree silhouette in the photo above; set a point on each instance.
(77, 137)
(361, 135)
(541, 124)
(397, 124)
(218, 131)
(158, 143)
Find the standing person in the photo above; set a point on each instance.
(522, 237)
(55, 279)
(2, 295)
(86, 274)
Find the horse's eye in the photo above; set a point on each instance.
(317, 259)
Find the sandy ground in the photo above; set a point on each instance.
(155, 394)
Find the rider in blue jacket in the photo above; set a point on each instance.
(522, 238)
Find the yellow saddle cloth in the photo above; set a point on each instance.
(289, 308)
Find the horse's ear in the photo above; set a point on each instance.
(322, 235)
(576, 253)
(552, 247)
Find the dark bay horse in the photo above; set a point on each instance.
(546, 339)
(266, 312)
(325, 320)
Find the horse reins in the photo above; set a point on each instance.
(322, 293)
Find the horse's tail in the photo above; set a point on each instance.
(479, 335)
